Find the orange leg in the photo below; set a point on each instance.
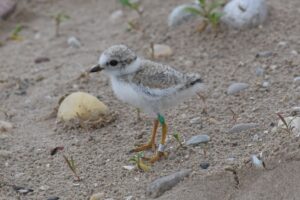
(151, 144)
(160, 153)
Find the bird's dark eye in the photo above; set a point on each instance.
(113, 62)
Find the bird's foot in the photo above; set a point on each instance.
(158, 156)
(144, 147)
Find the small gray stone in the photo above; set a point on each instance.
(161, 185)
(5, 154)
(237, 87)
(74, 42)
(7, 7)
(245, 13)
(53, 198)
(259, 71)
(204, 165)
(264, 54)
(242, 127)
(116, 15)
(197, 139)
(266, 84)
(195, 120)
(179, 14)
(297, 79)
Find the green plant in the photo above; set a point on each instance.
(71, 164)
(137, 160)
(15, 35)
(177, 138)
(133, 5)
(209, 12)
(59, 18)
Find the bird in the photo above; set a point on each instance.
(149, 86)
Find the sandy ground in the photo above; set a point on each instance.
(30, 92)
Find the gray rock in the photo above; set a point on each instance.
(7, 7)
(116, 15)
(161, 185)
(195, 120)
(74, 42)
(245, 13)
(297, 79)
(259, 71)
(179, 15)
(237, 87)
(264, 54)
(242, 127)
(5, 154)
(197, 139)
(204, 165)
(266, 84)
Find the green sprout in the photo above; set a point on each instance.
(133, 5)
(15, 35)
(209, 12)
(71, 164)
(59, 18)
(137, 160)
(177, 138)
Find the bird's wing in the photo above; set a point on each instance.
(157, 76)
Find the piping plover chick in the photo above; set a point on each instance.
(149, 86)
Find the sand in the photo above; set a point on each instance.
(30, 92)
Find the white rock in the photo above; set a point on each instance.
(266, 84)
(257, 162)
(297, 79)
(162, 50)
(179, 14)
(294, 52)
(198, 139)
(116, 15)
(129, 167)
(5, 126)
(195, 120)
(97, 196)
(237, 87)
(245, 13)
(74, 42)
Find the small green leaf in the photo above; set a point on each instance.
(125, 3)
(193, 11)
(202, 2)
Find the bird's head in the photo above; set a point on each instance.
(115, 60)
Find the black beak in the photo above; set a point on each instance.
(96, 68)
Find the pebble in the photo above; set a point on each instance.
(41, 60)
(257, 162)
(5, 126)
(264, 54)
(297, 79)
(294, 52)
(198, 139)
(242, 127)
(116, 15)
(163, 184)
(162, 50)
(266, 84)
(235, 88)
(7, 7)
(245, 13)
(179, 15)
(53, 198)
(74, 42)
(195, 120)
(129, 167)
(204, 165)
(273, 67)
(129, 198)
(5, 154)
(97, 196)
(259, 71)
(22, 190)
